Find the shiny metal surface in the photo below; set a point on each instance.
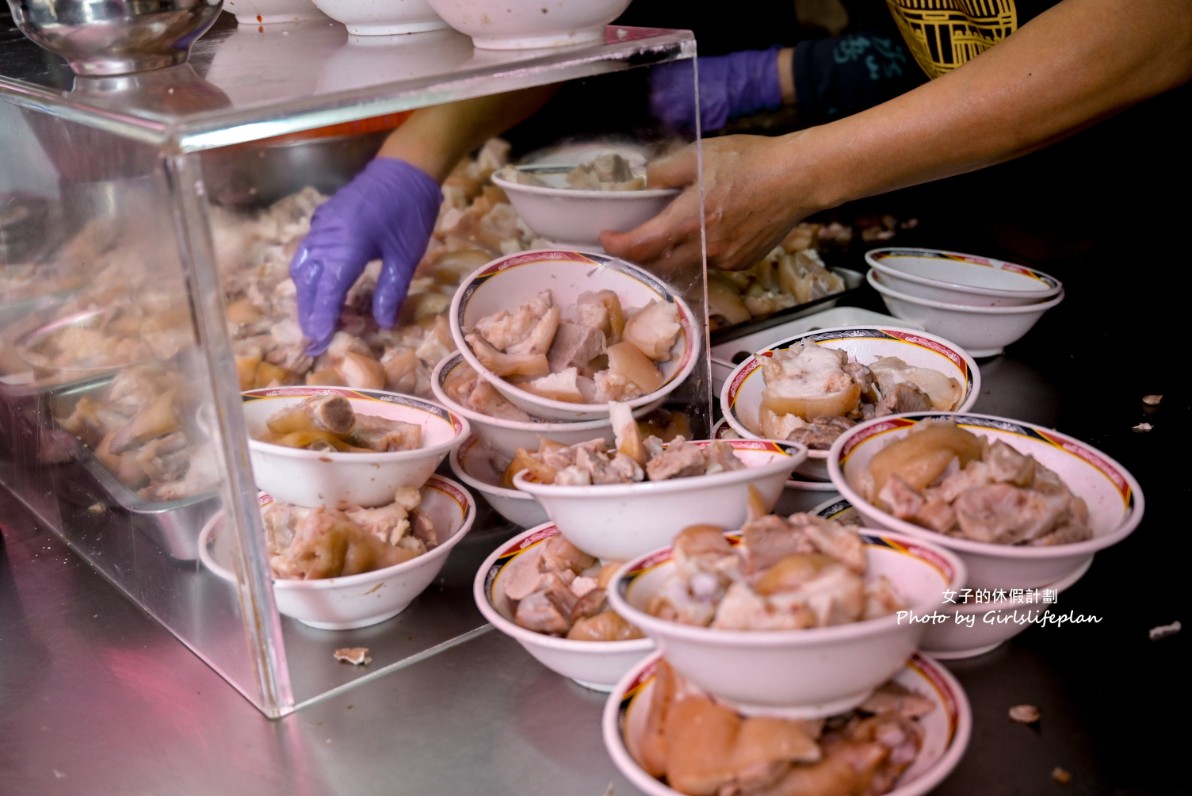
(97, 698)
(118, 36)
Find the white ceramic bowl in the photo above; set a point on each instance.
(521, 24)
(593, 664)
(947, 727)
(617, 522)
(1114, 499)
(741, 396)
(382, 17)
(509, 282)
(977, 620)
(566, 216)
(837, 666)
(472, 463)
(983, 331)
(370, 597)
(503, 436)
(341, 479)
(961, 278)
(272, 12)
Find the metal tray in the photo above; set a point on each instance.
(26, 419)
(853, 280)
(172, 525)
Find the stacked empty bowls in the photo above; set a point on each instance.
(981, 303)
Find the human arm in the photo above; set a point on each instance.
(1060, 73)
(388, 211)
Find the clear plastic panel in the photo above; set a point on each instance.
(146, 238)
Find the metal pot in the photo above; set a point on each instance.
(115, 37)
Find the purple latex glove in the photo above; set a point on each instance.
(386, 212)
(730, 87)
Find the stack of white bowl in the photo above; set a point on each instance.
(980, 303)
(505, 284)
(343, 480)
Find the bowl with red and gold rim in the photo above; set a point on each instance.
(810, 387)
(1023, 505)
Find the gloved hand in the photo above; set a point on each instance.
(386, 212)
(730, 87)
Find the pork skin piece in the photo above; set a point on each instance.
(382, 434)
(566, 385)
(768, 539)
(506, 331)
(589, 604)
(680, 459)
(601, 469)
(547, 609)
(654, 329)
(503, 364)
(488, 401)
(390, 522)
(575, 345)
(900, 498)
(712, 750)
(529, 571)
(1007, 465)
(165, 458)
(1005, 514)
(604, 626)
(607, 172)
(895, 699)
(315, 543)
(821, 432)
(721, 459)
(743, 609)
(331, 413)
(901, 397)
(832, 539)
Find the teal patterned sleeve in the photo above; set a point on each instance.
(836, 77)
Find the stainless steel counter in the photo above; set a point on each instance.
(96, 697)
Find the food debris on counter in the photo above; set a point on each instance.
(1163, 631)
(357, 656)
(1026, 714)
(1061, 775)
(1152, 400)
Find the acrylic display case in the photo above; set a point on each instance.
(139, 230)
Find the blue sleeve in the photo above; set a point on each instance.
(836, 77)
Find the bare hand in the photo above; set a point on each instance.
(750, 205)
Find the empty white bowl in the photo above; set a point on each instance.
(1114, 499)
(382, 17)
(567, 216)
(593, 664)
(947, 727)
(341, 479)
(803, 673)
(522, 24)
(370, 597)
(741, 396)
(472, 463)
(505, 436)
(617, 522)
(508, 282)
(961, 278)
(982, 331)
